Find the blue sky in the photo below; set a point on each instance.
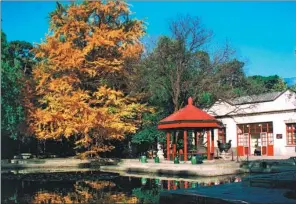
(263, 33)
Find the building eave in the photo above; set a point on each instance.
(255, 113)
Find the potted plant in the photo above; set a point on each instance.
(156, 159)
(176, 160)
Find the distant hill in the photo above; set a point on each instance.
(290, 81)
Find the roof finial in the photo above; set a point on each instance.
(190, 101)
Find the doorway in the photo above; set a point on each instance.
(255, 143)
(255, 139)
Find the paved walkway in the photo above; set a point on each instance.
(208, 168)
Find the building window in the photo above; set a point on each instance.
(222, 135)
(291, 133)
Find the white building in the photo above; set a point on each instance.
(266, 122)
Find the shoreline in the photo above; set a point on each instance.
(208, 168)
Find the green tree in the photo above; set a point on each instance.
(21, 51)
(16, 61)
(148, 136)
(262, 84)
(293, 88)
(178, 67)
(216, 80)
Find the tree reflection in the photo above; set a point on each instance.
(44, 197)
(150, 189)
(149, 192)
(64, 189)
(85, 192)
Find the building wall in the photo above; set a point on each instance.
(279, 127)
(279, 112)
(286, 101)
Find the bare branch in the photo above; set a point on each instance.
(190, 31)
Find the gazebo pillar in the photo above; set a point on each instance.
(168, 134)
(174, 145)
(196, 138)
(185, 145)
(208, 145)
(212, 143)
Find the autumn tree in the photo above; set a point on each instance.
(89, 45)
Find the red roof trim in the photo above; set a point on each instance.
(188, 125)
(189, 117)
(188, 121)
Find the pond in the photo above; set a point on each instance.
(95, 187)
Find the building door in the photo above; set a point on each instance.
(255, 143)
(270, 144)
(240, 144)
(263, 136)
(255, 135)
(246, 143)
(243, 144)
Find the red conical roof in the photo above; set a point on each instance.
(189, 116)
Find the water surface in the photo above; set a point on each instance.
(95, 187)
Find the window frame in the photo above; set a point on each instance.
(291, 134)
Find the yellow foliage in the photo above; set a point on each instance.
(88, 42)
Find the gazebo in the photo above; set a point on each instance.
(189, 118)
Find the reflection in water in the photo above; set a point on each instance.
(83, 195)
(94, 187)
(41, 197)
